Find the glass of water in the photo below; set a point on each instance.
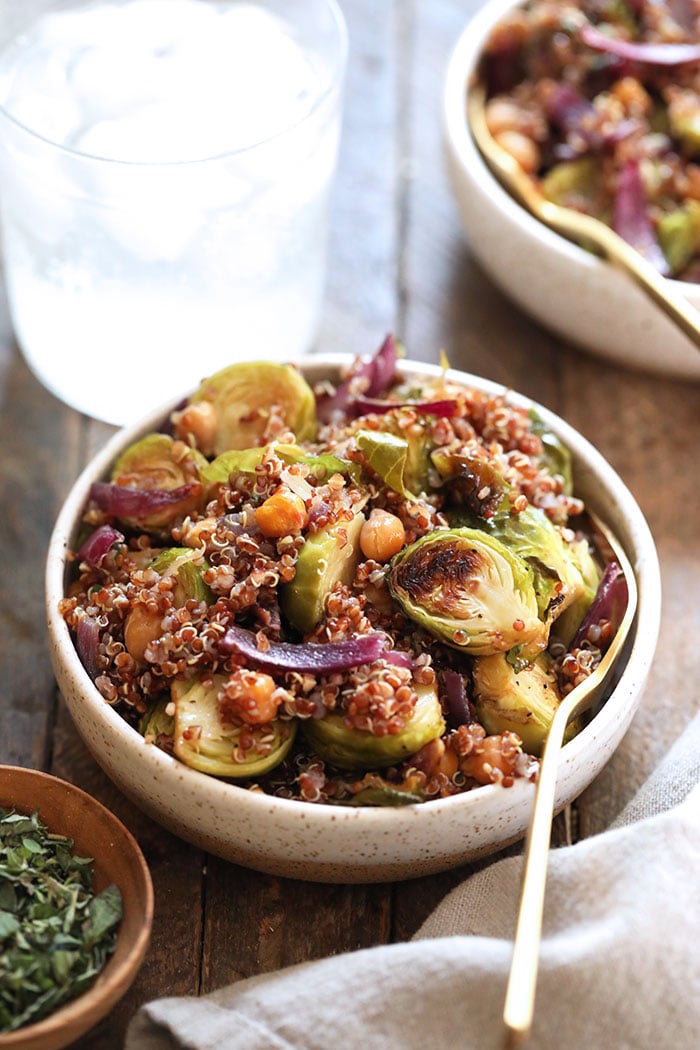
(165, 168)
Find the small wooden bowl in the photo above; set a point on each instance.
(66, 810)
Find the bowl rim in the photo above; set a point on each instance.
(107, 987)
(461, 69)
(645, 628)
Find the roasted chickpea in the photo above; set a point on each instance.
(521, 148)
(382, 536)
(142, 627)
(283, 514)
(198, 422)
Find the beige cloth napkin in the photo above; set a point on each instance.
(620, 962)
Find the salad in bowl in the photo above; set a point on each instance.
(366, 592)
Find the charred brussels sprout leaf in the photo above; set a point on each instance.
(348, 748)
(328, 557)
(321, 466)
(241, 396)
(202, 741)
(231, 464)
(523, 701)
(472, 483)
(187, 567)
(468, 589)
(156, 464)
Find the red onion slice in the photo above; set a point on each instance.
(453, 693)
(87, 639)
(124, 502)
(379, 372)
(650, 52)
(631, 217)
(365, 406)
(609, 603)
(99, 543)
(307, 657)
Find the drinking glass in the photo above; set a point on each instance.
(165, 168)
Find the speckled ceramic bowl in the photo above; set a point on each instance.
(341, 844)
(577, 295)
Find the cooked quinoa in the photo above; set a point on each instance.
(199, 614)
(607, 131)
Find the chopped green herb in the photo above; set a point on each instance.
(55, 933)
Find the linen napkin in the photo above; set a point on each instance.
(619, 967)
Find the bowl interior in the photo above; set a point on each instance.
(325, 842)
(96, 833)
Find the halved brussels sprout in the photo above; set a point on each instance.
(522, 701)
(242, 394)
(573, 182)
(186, 566)
(348, 748)
(327, 558)
(570, 619)
(469, 590)
(152, 464)
(202, 741)
(233, 462)
(679, 235)
(157, 723)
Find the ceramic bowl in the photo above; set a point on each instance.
(345, 844)
(66, 810)
(578, 296)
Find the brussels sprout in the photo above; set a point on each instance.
(387, 456)
(187, 566)
(472, 483)
(555, 456)
(573, 183)
(327, 558)
(321, 466)
(233, 462)
(241, 395)
(522, 701)
(202, 741)
(152, 465)
(348, 748)
(568, 622)
(679, 235)
(469, 590)
(157, 723)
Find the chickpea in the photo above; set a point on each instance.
(502, 115)
(495, 757)
(142, 627)
(382, 536)
(436, 757)
(283, 514)
(521, 148)
(198, 421)
(253, 700)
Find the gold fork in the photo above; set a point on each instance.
(520, 994)
(575, 226)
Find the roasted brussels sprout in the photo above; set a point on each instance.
(568, 622)
(202, 741)
(156, 463)
(348, 748)
(469, 590)
(158, 724)
(472, 484)
(522, 701)
(186, 566)
(327, 558)
(679, 235)
(241, 396)
(387, 455)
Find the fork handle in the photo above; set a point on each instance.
(520, 994)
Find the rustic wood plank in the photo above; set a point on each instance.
(649, 429)
(33, 481)
(172, 965)
(256, 923)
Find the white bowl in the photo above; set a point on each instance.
(341, 844)
(577, 295)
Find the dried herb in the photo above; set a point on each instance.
(55, 933)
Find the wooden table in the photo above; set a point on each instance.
(398, 261)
